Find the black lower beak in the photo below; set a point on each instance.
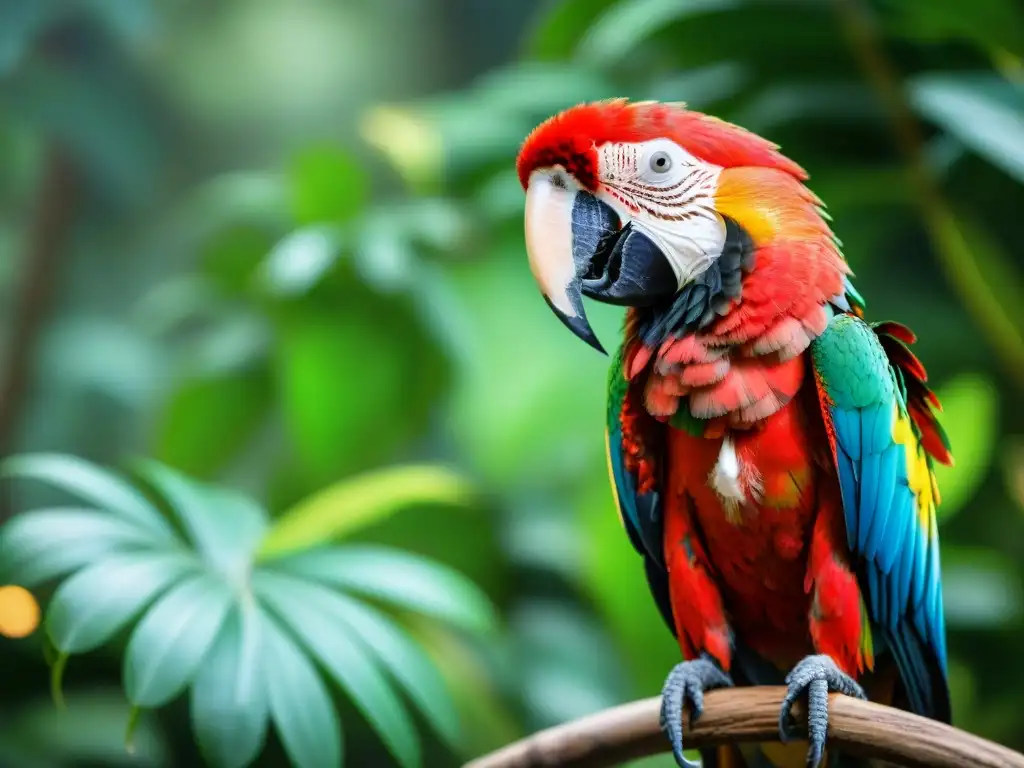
(630, 271)
(611, 263)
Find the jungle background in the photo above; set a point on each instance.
(277, 247)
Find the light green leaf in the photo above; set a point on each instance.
(300, 260)
(310, 611)
(624, 26)
(226, 527)
(983, 111)
(362, 501)
(397, 577)
(970, 406)
(328, 185)
(172, 639)
(93, 484)
(300, 704)
(229, 700)
(40, 545)
(98, 601)
(403, 658)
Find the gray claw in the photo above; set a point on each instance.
(818, 676)
(686, 684)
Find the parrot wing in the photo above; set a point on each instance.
(638, 501)
(883, 435)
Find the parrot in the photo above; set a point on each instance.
(771, 451)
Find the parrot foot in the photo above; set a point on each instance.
(818, 676)
(686, 684)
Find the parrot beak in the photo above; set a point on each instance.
(578, 247)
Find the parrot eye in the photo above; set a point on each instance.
(661, 162)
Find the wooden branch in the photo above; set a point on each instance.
(33, 299)
(860, 728)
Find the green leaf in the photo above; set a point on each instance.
(299, 261)
(557, 31)
(980, 588)
(970, 416)
(93, 484)
(172, 639)
(229, 699)
(300, 704)
(403, 658)
(88, 732)
(983, 111)
(344, 383)
(40, 545)
(398, 578)
(362, 501)
(210, 419)
(310, 611)
(625, 25)
(328, 186)
(226, 527)
(98, 601)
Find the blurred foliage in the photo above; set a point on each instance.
(293, 273)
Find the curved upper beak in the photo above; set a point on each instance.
(578, 247)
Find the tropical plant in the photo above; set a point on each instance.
(251, 617)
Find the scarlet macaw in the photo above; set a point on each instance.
(771, 452)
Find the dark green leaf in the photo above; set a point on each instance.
(558, 30)
(361, 501)
(399, 578)
(625, 25)
(209, 420)
(46, 543)
(309, 610)
(98, 601)
(226, 527)
(90, 731)
(172, 639)
(328, 186)
(300, 704)
(232, 256)
(229, 698)
(93, 484)
(983, 111)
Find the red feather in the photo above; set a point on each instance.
(570, 138)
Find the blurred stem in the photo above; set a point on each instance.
(48, 234)
(948, 241)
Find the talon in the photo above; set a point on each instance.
(686, 684)
(817, 676)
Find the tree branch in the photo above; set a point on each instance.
(737, 715)
(54, 216)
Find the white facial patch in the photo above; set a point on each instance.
(669, 195)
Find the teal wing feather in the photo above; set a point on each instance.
(640, 512)
(883, 435)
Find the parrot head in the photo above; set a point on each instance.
(631, 203)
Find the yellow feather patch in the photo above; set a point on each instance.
(919, 474)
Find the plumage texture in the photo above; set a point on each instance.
(815, 531)
(770, 451)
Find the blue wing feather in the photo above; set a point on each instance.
(887, 493)
(641, 513)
